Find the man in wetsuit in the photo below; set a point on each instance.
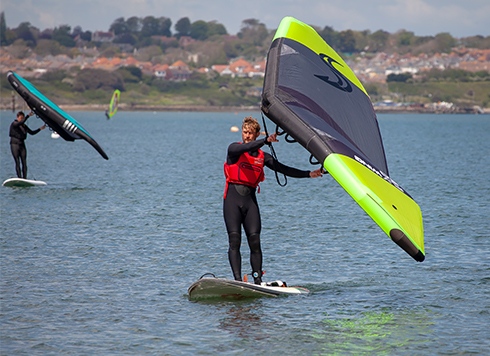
(244, 170)
(18, 133)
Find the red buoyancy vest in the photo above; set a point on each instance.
(248, 170)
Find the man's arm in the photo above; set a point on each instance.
(235, 150)
(277, 166)
(31, 132)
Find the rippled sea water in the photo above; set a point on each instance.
(100, 259)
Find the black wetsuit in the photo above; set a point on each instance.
(240, 208)
(18, 133)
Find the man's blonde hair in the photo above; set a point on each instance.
(250, 123)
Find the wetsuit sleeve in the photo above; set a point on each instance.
(235, 150)
(31, 132)
(277, 166)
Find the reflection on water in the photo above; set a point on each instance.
(246, 321)
(380, 332)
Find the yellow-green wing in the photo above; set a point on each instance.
(114, 102)
(311, 93)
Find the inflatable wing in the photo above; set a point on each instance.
(312, 94)
(66, 126)
(114, 103)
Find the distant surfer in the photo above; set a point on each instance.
(107, 114)
(244, 170)
(18, 134)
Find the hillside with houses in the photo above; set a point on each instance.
(219, 62)
(368, 67)
(35, 66)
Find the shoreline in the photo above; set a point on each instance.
(209, 108)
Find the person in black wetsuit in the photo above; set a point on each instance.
(244, 170)
(18, 133)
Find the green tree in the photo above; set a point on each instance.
(152, 26)
(10, 36)
(215, 28)
(476, 42)
(233, 48)
(447, 75)
(24, 32)
(361, 39)
(199, 30)
(330, 36)
(253, 31)
(183, 27)
(126, 38)
(54, 76)
(149, 27)
(93, 79)
(135, 71)
(164, 26)
(402, 77)
(48, 47)
(46, 34)
(482, 74)
(62, 36)
(77, 31)
(378, 41)
(405, 38)
(134, 24)
(445, 42)
(130, 74)
(86, 36)
(420, 40)
(3, 30)
(119, 26)
(372, 89)
(347, 41)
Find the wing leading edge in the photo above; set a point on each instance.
(313, 95)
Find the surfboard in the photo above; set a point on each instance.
(209, 286)
(20, 182)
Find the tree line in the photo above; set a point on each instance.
(140, 32)
(136, 31)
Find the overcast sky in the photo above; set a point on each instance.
(423, 17)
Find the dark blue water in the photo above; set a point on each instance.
(100, 259)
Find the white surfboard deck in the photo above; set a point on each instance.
(20, 182)
(212, 287)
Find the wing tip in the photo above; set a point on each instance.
(100, 150)
(404, 242)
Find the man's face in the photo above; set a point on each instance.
(248, 134)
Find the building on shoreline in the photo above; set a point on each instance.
(368, 67)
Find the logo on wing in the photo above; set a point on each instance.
(339, 81)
